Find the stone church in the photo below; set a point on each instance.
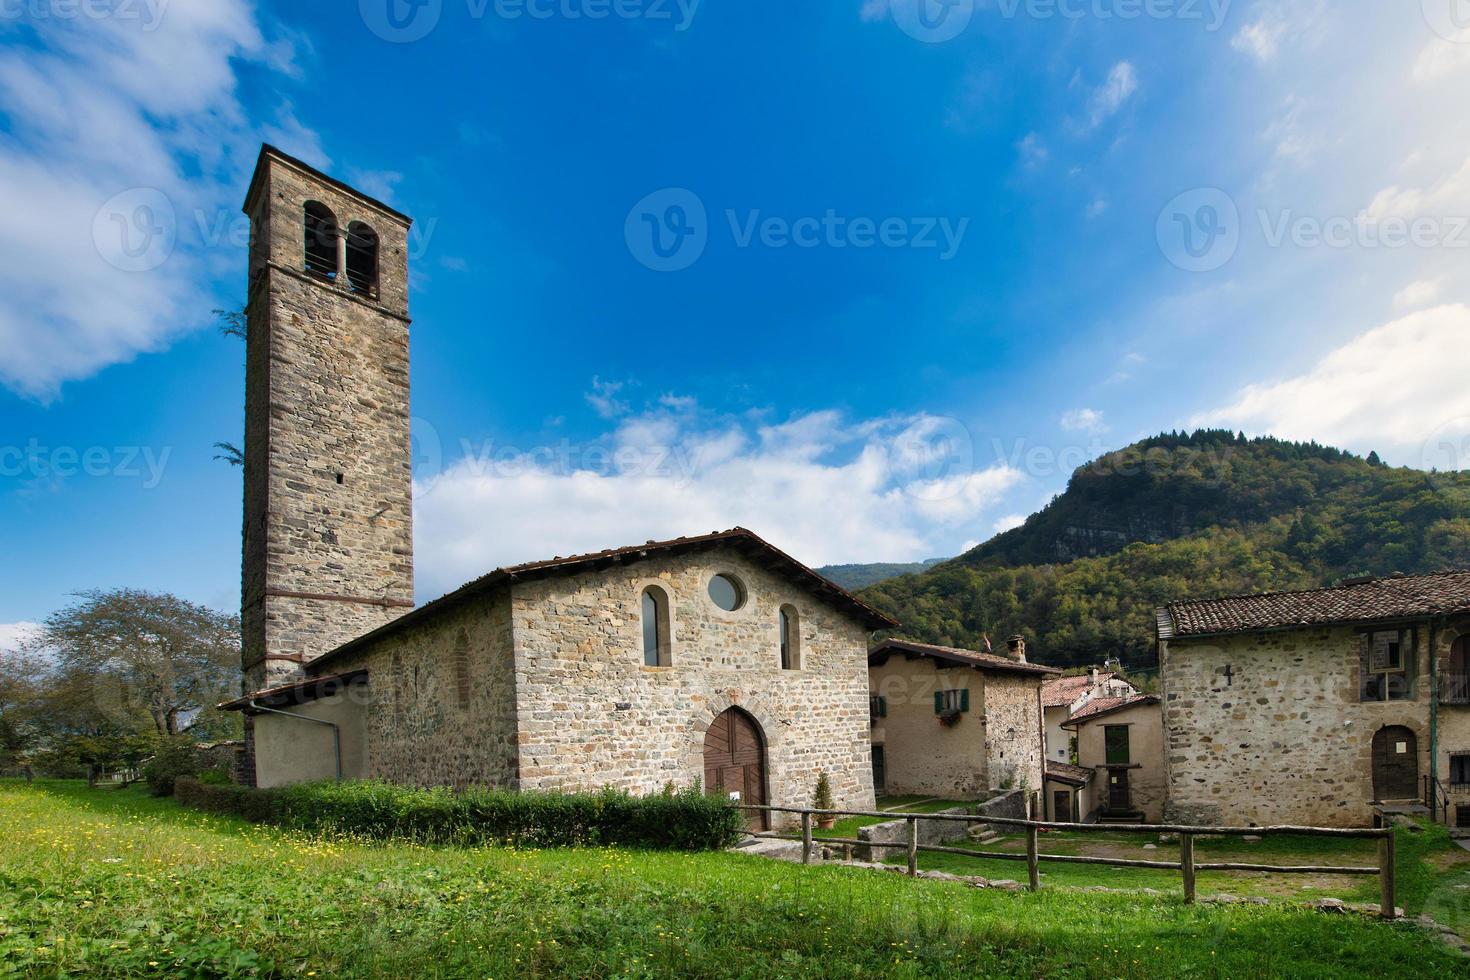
(715, 658)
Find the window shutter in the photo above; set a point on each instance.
(965, 699)
(939, 702)
(882, 707)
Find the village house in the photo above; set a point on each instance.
(1120, 746)
(1063, 697)
(955, 724)
(714, 659)
(1321, 707)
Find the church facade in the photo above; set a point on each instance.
(715, 658)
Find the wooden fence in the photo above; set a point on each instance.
(1186, 865)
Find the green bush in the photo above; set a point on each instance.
(255, 805)
(175, 757)
(686, 820)
(215, 777)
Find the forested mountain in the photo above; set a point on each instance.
(863, 575)
(1182, 516)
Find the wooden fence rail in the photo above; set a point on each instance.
(1186, 865)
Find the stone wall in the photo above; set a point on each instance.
(592, 715)
(897, 832)
(328, 500)
(1285, 738)
(441, 709)
(1014, 740)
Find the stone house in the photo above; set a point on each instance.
(1067, 795)
(956, 724)
(1120, 741)
(715, 658)
(1062, 697)
(1320, 707)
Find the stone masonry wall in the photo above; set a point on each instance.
(328, 499)
(592, 715)
(441, 707)
(1014, 743)
(1286, 738)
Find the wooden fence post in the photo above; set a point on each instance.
(1387, 870)
(1033, 863)
(1186, 864)
(913, 845)
(806, 837)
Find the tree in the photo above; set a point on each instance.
(141, 660)
(21, 686)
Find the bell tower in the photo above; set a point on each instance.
(328, 529)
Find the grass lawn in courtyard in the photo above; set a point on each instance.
(113, 883)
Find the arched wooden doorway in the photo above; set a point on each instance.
(1395, 764)
(735, 762)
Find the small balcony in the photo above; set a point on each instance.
(1454, 689)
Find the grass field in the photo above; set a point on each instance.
(112, 883)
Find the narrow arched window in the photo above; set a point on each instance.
(655, 628)
(321, 240)
(362, 259)
(789, 625)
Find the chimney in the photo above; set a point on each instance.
(1016, 648)
(1092, 676)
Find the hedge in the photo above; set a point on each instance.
(686, 820)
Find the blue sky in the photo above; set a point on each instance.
(1032, 300)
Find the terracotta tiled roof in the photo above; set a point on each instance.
(1065, 772)
(970, 658)
(1102, 706)
(1063, 691)
(1360, 601)
(748, 542)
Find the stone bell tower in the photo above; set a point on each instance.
(328, 550)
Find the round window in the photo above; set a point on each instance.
(726, 593)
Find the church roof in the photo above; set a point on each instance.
(747, 542)
(1364, 600)
(967, 658)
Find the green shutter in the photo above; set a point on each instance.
(965, 699)
(939, 702)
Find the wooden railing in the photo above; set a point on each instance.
(1186, 865)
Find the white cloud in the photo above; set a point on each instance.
(873, 10)
(125, 138)
(15, 635)
(1008, 522)
(1390, 389)
(1097, 208)
(1440, 59)
(1109, 97)
(1088, 420)
(381, 184)
(1033, 152)
(603, 398)
(1276, 24)
(1449, 197)
(1420, 293)
(822, 487)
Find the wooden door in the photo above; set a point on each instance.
(1395, 764)
(1118, 796)
(735, 762)
(1061, 805)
